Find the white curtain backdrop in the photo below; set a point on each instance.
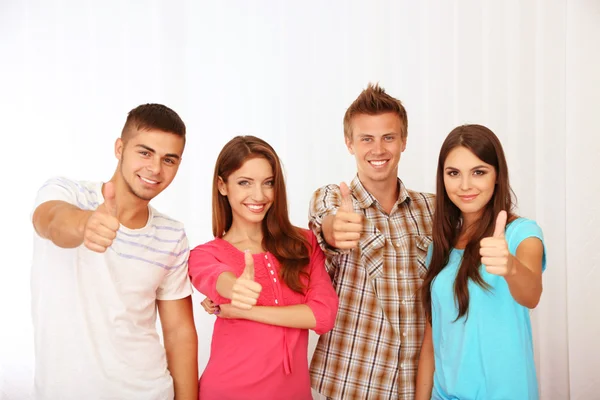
(286, 71)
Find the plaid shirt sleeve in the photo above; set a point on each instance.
(325, 201)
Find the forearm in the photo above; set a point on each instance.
(525, 286)
(182, 348)
(225, 283)
(425, 371)
(296, 316)
(61, 222)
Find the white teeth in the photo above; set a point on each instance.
(148, 181)
(378, 163)
(253, 207)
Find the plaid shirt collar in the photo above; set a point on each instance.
(366, 199)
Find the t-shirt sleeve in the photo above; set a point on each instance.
(63, 189)
(523, 229)
(176, 284)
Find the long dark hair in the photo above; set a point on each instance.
(447, 218)
(286, 242)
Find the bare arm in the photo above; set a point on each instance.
(297, 316)
(181, 345)
(525, 280)
(426, 367)
(60, 222)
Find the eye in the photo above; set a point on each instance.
(366, 139)
(388, 138)
(452, 173)
(479, 172)
(244, 183)
(144, 153)
(270, 183)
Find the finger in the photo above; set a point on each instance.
(345, 236)
(241, 305)
(500, 224)
(99, 240)
(493, 252)
(346, 198)
(352, 224)
(499, 262)
(106, 227)
(248, 272)
(110, 201)
(346, 245)
(496, 270)
(93, 246)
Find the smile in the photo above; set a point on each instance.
(255, 208)
(378, 163)
(468, 198)
(148, 181)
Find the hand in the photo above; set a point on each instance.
(209, 306)
(230, 312)
(494, 250)
(245, 289)
(102, 225)
(347, 224)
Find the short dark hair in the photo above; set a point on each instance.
(153, 116)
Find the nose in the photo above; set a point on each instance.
(257, 193)
(154, 166)
(378, 147)
(465, 182)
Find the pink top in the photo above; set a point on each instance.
(252, 360)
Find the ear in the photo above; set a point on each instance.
(349, 144)
(119, 146)
(404, 144)
(222, 187)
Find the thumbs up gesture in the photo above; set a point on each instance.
(494, 250)
(102, 225)
(347, 224)
(245, 290)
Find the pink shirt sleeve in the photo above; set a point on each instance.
(204, 268)
(320, 296)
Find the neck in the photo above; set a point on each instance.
(239, 232)
(385, 192)
(132, 211)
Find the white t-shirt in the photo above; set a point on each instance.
(94, 314)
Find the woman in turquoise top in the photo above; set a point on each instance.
(484, 275)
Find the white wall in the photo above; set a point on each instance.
(70, 70)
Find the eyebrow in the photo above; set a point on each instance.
(250, 179)
(150, 149)
(472, 169)
(372, 135)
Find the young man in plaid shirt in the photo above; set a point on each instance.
(375, 234)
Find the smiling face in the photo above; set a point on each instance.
(377, 145)
(148, 161)
(469, 181)
(249, 191)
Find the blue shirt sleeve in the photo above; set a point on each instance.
(521, 229)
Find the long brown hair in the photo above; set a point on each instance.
(286, 242)
(447, 218)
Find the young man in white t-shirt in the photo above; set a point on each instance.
(104, 262)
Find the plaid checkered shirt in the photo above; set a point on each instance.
(373, 350)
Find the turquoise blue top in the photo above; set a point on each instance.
(490, 355)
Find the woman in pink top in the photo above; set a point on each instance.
(267, 278)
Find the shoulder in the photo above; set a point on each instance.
(521, 228)
(163, 220)
(214, 247)
(421, 197)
